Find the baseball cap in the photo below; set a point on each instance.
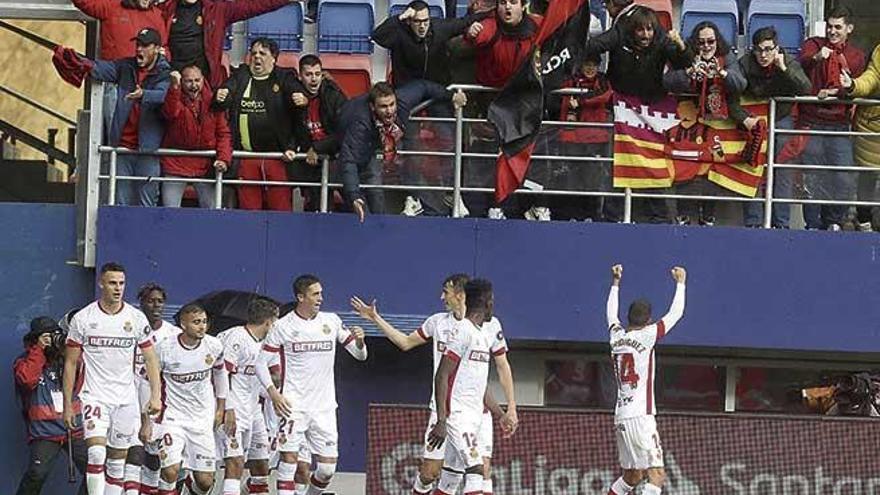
(148, 36)
(43, 324)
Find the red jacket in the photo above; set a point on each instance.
(217, 15)
(119, 24)
(592, 107)
(849, 58)
(192, 125)
(501, 50)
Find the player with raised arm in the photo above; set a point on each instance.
(460, 389)
(632, 351)
(105, 334)
(194, 390)
(142, 463)
(306, 339)
(244, 436)
(438, 327)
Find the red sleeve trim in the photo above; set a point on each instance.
(661, 329)
(348, 340)
(452, 355)
(230, 367)
(271, 348)
(500, 352)
(145, 344)
(275, 368)
(421, 333)
(72, 343)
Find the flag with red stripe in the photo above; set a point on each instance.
(518, 110)
(657, 144)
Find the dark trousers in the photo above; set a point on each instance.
(43, 454)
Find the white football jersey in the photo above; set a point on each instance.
(307, 355)
(108, 344)
(188, 396)
(470, 347)
(632, 353)
(241, 351)
(155, 336)
(438, 327)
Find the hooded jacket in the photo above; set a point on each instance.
(193, 125)
(501, 49)
(419, 58)
(120, 23)
(123, 72)
(867, 149)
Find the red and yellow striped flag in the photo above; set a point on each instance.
(660, 143)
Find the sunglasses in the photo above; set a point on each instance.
(706, 42)
(766, 49)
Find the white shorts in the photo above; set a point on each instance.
(193, 445)
(484, 436)
(316, 430)
(118, 423)
(638, 444)
(462, 443)
(251, 440)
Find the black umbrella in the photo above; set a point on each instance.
(225, 308)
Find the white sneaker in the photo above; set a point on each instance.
(462, 209)
(865, 227)
(412, 207)
(834, 227)
(538, 213)
(496, 214)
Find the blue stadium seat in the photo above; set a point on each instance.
(724, 13)
(227, 40)
(787, 16)
(345, 26)
(284, 25)
(461, 7)
(436, 8)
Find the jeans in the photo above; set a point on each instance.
(823, 184)
(43, 454)
(133, 193)
(172, 193)
(780, 217)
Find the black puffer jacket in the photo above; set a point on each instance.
(764, 83)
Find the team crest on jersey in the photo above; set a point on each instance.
(276, 88)
(90, 425)
(326, 330)
(474, 453)
(163, 455)
(282, 439)
(233, 443)
(199, 20)
(127, 326)
(235, 347)
(209, 360)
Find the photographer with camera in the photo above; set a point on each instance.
(38, 384)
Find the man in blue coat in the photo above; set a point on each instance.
(141, 83)
(373, 128)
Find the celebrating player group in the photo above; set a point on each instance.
(163, 404)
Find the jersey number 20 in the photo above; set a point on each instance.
(625, 366)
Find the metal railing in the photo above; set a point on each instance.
(458, 155)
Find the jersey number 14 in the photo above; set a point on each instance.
(625, 369)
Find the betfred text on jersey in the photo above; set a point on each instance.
(116, 342)
(195, 376)
(314, 346)
(481, 356)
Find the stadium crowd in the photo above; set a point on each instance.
(174, 92)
